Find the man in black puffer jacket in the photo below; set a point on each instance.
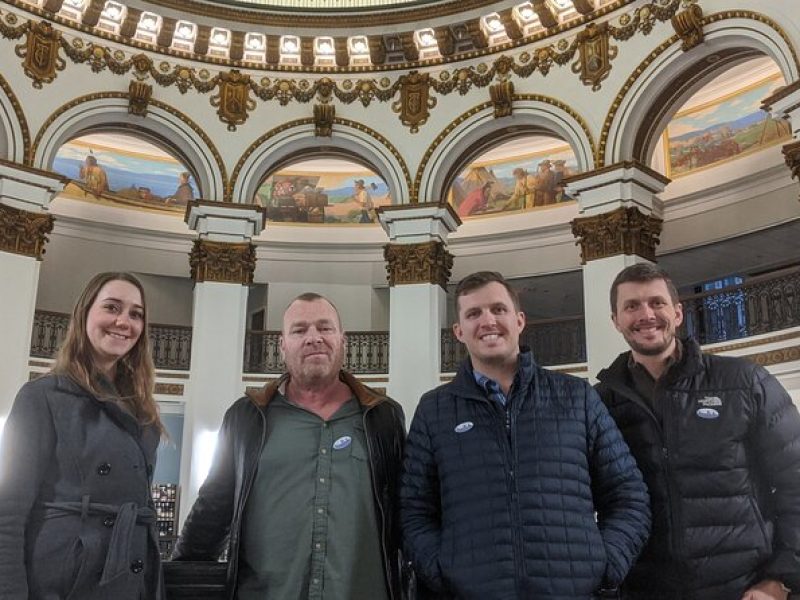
(516, 481)
(718, 441)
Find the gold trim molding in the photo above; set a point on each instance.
(427, 262)
(222, 262)
(21, 119)
(24, 232)
(625, 230)
(774, 357)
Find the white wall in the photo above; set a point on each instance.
(355, 303)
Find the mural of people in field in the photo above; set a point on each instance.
(723, 129)
(514, 176)
(323, 191)
(120, 169)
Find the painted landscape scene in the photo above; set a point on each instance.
(723, 130)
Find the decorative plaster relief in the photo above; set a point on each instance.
(625, 230)
(427, 262)
(222, 262)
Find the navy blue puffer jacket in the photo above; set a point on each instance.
(500, 503)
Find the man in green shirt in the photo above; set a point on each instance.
(303, 484)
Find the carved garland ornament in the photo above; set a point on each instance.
(591, 63)
(428, 262)
(625, 230)
(24, 232)
(222, 262)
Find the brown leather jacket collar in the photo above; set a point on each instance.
(366, 396)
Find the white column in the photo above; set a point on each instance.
(25, 195)
(619, 226)
(419, 267)
(222, 266)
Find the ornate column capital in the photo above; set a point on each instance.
(625, 230)
(427, 262)
(791, 154)
(24, 232)
(222, 262)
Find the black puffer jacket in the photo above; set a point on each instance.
(723, 473)
(501, 505)
(216, 517)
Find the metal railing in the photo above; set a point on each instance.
(366, 352)
(553, 342)
(760, 305)
(171, 344)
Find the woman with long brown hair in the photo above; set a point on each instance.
(77, 457)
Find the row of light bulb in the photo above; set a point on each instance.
(184, 37)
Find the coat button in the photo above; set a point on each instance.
(109, 521)
(137, 566)
(104, 469)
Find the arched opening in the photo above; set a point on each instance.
(520, 173)
(134, 170)
(323, 189)
(721, 121)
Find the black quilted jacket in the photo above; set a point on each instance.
(723, 474)
(500, 504)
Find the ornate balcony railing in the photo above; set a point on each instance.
(760, 305)
(171, 344)
(553, 342)
(367, 352)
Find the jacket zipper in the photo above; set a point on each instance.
(386, 567)
(509, 449)
(666, 463)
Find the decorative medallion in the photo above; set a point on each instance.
(502, 95)
(415, 100)
(595, 54)
(428, 262)
(791, 153)
(688, 24)
(24, 232)
(222, 262)
(40, 53)
(139, 94)
(233, 100)
(625, 230)
(324, 114)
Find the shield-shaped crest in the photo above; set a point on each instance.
(415, 100)
(595, 55)
(40, 53)
(233, 100)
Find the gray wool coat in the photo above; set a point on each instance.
(76, 515)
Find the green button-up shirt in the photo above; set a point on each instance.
(310, 529)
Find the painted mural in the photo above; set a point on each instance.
(723, 130)
(516, 181)
(124, 170)
(323, 191)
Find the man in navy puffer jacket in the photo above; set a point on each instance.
(517, 483)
